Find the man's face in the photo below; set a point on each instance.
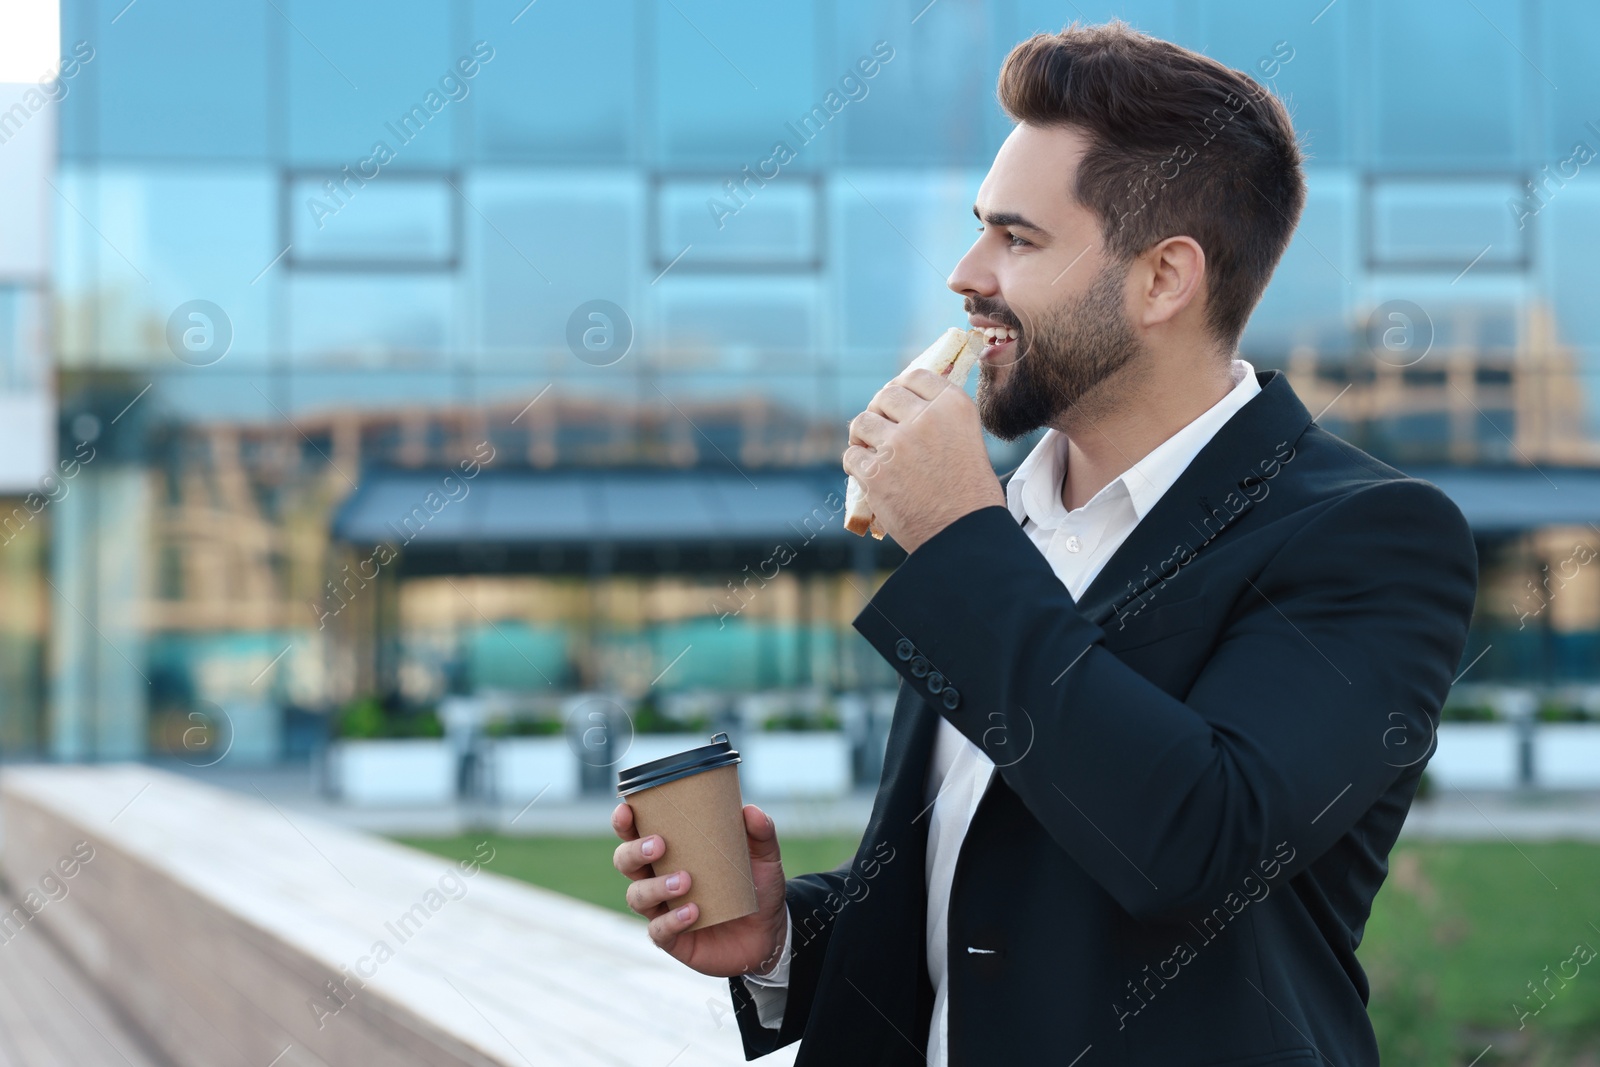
(1038, 267)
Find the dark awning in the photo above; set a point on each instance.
(1504, 500)
(632, 520)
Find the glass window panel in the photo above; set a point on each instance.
(396, 219)
(1308, 300)
(729, 75)
(1445, 224)
(932, 98)
(151, 239)
(357, 78)
(390, 320)
(1569, 29)
(539, 247)
(898, 237)
(775, 225)
(313, 392)
(563, 85)
(182, 80)
(1449, 89)
(1569, 234)
(1303, 63)
(736, 324)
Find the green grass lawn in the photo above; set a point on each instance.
(1456, 935)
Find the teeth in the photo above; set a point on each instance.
(996, 334)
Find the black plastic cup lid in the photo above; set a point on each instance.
(719, 753)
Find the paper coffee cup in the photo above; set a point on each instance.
(692, 800)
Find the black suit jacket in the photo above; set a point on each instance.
(1201, 768)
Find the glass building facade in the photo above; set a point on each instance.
(295, 243)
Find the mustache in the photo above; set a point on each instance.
(992, 310)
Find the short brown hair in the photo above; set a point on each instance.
(1178, 145)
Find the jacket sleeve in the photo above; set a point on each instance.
(810, 900)
(1342, 644)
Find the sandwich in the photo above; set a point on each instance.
(953, 355)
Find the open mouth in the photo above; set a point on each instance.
(1000, 338)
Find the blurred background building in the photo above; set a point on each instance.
(453, 347)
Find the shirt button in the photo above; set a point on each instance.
(935, 682)
(951, 698)
(1073, 544)
(904, 649)
(919, 666)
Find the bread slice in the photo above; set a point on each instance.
(953, 355)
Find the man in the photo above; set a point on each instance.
(1168, 692)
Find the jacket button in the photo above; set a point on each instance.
(905, 649)
(951, 698)
(935, 682)
(919, 666)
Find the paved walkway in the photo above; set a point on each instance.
(1448, 815)
(50, 1016)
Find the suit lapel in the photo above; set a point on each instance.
(1211, 494)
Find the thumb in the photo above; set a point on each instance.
(762, 834)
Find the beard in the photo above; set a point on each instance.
(1060, 359)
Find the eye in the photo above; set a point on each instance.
(1017, 242)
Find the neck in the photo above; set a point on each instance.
(1128, 415)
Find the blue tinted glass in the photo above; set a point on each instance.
(899, 235)
(1450, 89)
(1569, 29)
(358, 77)
(360, 320)
(149, 240)
(539, 246)
(1309, 300)
(729, 75)
(1301, 61)
(930, 95)
(563, 85)
(182, 80)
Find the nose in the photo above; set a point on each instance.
(971, 276)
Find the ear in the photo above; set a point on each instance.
(1173, 276)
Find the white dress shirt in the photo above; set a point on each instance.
(1076, 544)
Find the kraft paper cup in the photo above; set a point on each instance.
(692, 800)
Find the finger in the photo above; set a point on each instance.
(633, 858)
(924, 383)
(762, 834)
(869, 428)
(622, 822)
(665, 928)
(648, 894)
(897, 403)
(860, 461)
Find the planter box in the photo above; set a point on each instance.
(1475, 755)
(1566, 755)
(522, 768)
(800, 763)
(401, 772)
(647, 747)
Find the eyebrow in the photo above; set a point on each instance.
(1011, 219)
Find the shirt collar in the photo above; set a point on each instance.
(1034, 491)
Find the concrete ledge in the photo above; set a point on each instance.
(232, 932)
